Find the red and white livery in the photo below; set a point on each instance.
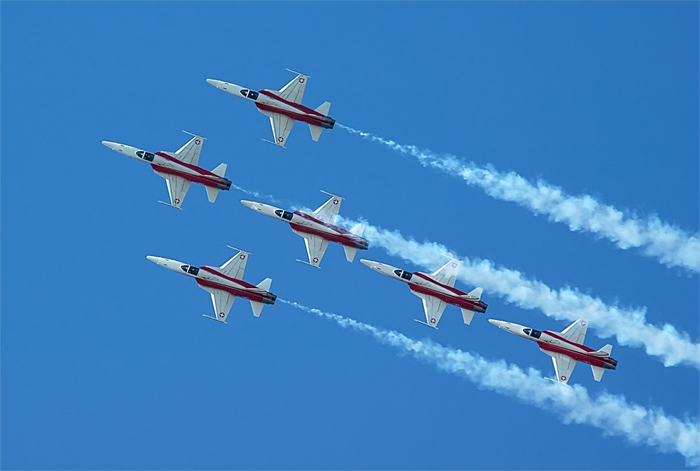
(180, 169)
(284, 107)
(436, 290)
(318, 228)
(224, 283)
(565, 347)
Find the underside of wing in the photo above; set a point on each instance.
(576, 332)
(189, 153)
(328, 211)
(563, 366)
(315, 248)
(177, 188)
(447, 274)
(235, 266)
(281, 127)
(433, 307)
(223, 302)
(294, 90)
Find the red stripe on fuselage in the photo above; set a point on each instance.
(189, 166)
(290, 103)
(461, 302)
(449, 288)
(582, 357)
(259, 296)
(341, 239)
(558, 337)
(203, 179)
(235, 280)
(316, 121)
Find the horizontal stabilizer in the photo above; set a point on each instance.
(265, 284)
(606, 349)
(315, 132)
(358, 230)
(467, 315)
(212, 193)
(597, 372)
(476, 293)
(220, 170)
(257, 307)
(350, 253)
(324, 108)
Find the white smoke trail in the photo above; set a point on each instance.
(257, 194)
(669, 244)
(611, 413)
(628, 326)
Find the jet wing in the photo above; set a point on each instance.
(576, 332)
(294, 90)
(222, 301)
(189, 153)
(563, 366)
(328, 211)
(177, 188)
(447, 274)
(433, 308)
(281, 127)
(315, 247)
(235, 266)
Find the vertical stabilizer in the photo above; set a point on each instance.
(324, 108)
(476, 293)
(467, 315)
(265, 284)
(606, 349)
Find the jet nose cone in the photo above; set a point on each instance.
(216, 83)
(250, 204)
(153, 259)
(369, 263)
(497, 323)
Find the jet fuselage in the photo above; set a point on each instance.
(162, 162)
(211, 277)
(424, 284)
(270, 101)
(553, 342)
(299, 221)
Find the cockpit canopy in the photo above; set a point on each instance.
(533, 333)
(145, 155)
(250, 94)
(284, 214)
(406, 275)
(189, 269)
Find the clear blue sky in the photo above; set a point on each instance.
(107, 362)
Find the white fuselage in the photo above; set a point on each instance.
(306, 223)
(211, 277)
(163, 163)
(424, 284)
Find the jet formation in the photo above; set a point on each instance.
(318, 229)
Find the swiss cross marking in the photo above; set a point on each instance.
(222, 315)
(177, 200)
(315, 260)
(432, 321)
(242, 257)
(197, 142)
(281, 139)
(335, 201)
(301, 79)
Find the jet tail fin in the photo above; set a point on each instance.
(220, 171)
(476, 293)
(324, 108)
(597, 372)
(265, 284)
(212, 193)
(350, 253)
(315, 132)
(467, 315)
(606, 349)
(358, 229)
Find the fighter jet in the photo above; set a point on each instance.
(180, 169)
(224, 283)
(436, 290)
(284, 107)
(318, 228)
(565, 348)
